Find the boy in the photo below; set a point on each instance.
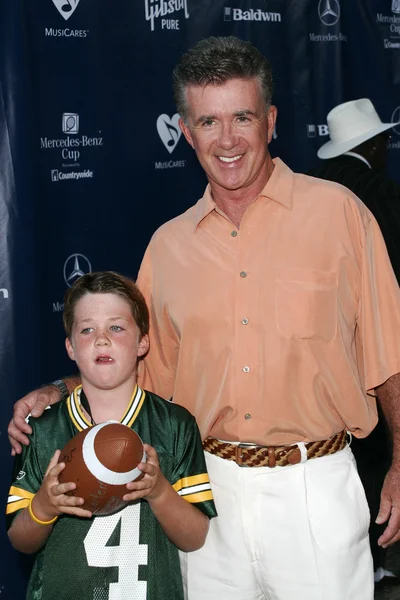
(132, 554)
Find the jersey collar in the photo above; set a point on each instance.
(80, 421)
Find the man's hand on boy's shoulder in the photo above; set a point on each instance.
(33, 403)
(153, 484)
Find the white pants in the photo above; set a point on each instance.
(286, 533)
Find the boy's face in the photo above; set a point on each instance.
(105, 341)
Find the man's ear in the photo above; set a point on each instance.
(186, 132)
(144, 345)
(272, 114)
(70, 349)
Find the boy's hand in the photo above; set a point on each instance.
(153, 484)
(51, 500)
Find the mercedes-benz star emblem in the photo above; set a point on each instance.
(396, 119)
(329, 12)
(75, 266)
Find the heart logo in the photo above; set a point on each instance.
(66, 7)
(169, 131)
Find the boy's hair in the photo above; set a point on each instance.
(106, 282)
(216, 60)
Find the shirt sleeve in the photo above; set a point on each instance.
(191, 480)
(27, 479)
(157, 371)
(378, 322)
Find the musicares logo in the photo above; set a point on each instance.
(169, 131)
(66, 7)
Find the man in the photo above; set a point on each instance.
(270, 321)
(356, 157)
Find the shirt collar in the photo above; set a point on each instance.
(278, 188)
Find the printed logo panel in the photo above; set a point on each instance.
(252, 14)
(329, 12)
(169, 131)
(165, 13)
(75, 266)
(71, 148)
(329, 16)
(389, 25)
(66, 8)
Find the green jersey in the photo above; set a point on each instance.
(124, 556)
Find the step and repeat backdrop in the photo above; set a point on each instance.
(92, 160)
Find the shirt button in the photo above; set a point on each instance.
(246, 369)
(247, 416)
(243, 274)
(233, 233)
(245, 321)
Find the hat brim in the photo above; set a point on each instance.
(332, 149)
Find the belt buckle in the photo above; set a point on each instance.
(239, 454)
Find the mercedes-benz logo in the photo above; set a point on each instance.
(75, 266)
(396, 119)
(329, 12)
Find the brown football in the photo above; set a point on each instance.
(101, 460)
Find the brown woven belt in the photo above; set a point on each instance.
(270, 456)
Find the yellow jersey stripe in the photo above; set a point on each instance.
(75, 411)
(200, 497)
(71, 416)
(190, 481)
(137, 411)
(16, 491)
(14, 506)
(131, 401)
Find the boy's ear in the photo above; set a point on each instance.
(70, 349)
(143, 347)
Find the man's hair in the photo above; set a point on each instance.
(106, 282)
(216, 60)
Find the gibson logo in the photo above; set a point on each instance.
(155, 9)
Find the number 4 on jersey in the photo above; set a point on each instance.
(127, 556)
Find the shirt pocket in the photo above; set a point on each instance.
(306, 304)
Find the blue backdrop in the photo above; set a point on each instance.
(92, 160)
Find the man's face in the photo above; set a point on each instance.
(228, 127)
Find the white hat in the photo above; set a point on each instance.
(351, 124)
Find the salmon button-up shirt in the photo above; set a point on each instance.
(277, 332)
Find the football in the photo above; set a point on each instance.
(101, 460)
